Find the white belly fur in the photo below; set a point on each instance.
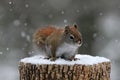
(66, 49)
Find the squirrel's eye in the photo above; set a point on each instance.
(71, 37)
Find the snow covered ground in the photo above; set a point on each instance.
(82, 59)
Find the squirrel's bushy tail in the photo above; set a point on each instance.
(40, 35)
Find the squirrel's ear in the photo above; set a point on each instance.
(67, 28)
(75, 25)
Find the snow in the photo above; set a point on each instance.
(116, 40)
(62, 12)
(82, 59)
(101, 14)
(65, 21)
(23, 34)
(31, 52)
(94, 35)
(1, 53)
(26, 5)
(7, 49)
(28, 38)
(10, 2)
(16, 22)
(25, 24)
(78, 11)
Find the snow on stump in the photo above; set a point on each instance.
(87, 68)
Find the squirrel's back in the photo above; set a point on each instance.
(41, 34)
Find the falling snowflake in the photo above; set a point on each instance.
(10, 2)
(116, 40)
(28, 38)
(16, 22)
(65, 21)
(31, 52)
(1, 53)
(94, 35)
(23, 34)
(25, 24)
(62, 12)
(78, 11)
(26, 5)
(100, 13)
(7, 49)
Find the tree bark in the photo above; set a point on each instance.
(29, 71)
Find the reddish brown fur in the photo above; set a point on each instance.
(40, 35)
(76, 33)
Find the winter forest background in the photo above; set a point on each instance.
(98, 21)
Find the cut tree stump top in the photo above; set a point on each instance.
(82, 59)
(85, 68)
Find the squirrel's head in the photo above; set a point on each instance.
(72, 35)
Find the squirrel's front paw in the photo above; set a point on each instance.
(75, 59)
(46, 57)
(52, 59)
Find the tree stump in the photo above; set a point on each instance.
(85, 68)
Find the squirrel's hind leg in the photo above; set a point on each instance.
(70, 58)
(47, 57)
(53, 54)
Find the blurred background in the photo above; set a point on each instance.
(98, 21)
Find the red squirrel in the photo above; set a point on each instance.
(59, 42)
